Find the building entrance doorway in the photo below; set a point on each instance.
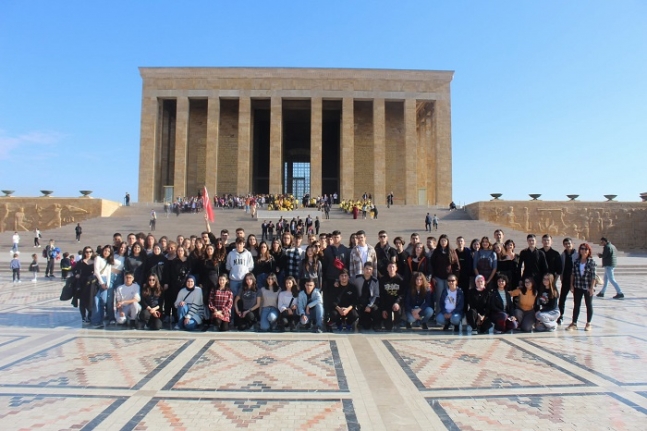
(297, 179)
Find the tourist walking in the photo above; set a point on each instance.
(609, 262)
(78, 230)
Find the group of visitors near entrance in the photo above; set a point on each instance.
(297, 282)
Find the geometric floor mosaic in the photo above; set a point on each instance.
(89, 362)
(263, 365)
(56, 374)
(581, 411)
(253, 414)
(478, 363)
(621, 359)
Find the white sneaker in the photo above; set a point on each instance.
(19, 281)
(34, 280)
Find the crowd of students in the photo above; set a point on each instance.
(295, 282)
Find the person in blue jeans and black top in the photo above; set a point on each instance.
(451, 305)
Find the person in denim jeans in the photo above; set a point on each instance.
(103, 274)
(609, 262)
(310, 306)
(419, 302)
(269, 308)
(451, 305)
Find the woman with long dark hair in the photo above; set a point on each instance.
(220, 302)
(582, 286)
(419, 301)
(442, 263)
(264, 265)
(311, 267)
(508, 264)
(178, 270)
(134, 263)
(527, 306)
(83, 273)
(485, 261)
(151, 302)
(549, 312)
(103, 275)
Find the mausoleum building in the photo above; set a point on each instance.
(298, 131)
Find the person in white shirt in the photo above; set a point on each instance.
(15, 239)
(239, 263)
(127, 297)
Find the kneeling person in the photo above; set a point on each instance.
(368, 290)
(310, 306)
(127, 301)
(452, 302)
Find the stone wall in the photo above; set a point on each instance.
(623, 223)
(364, 165)
(26, 214)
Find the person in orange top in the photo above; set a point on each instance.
(526, 308)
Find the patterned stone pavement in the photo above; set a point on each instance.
(56, 374)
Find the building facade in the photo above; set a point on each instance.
(298, 131)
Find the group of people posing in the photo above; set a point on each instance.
(318, 283)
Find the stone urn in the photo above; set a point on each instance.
(7, 193)
(643, 196)
(572, 197)
(610, 198)
(46, 193)
(534, 196)
(496, 196)
(85, 193)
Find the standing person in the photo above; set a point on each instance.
(317, 225)
(51, 253)
(609, 262)
(15, 239)
(103, 274)
(532, 262)
(485, 261)
(78, 230)
(335, 260)
(361, 254)
(384, 253)
(443, 264)
(264, 226)
(33, 267)
(83, 271)
(392, 292)
(153, 220)
(428, 223)
(15, 268)
(292, 255)
(37, 237)
(569, 260)
(582, 284)
(127, 199)
(389, 200)
(553, 259)
(311, 267)
(464, 256)
(239, 263)
(434, 222)
(508, 264)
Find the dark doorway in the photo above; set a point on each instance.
(165, 175)
(261, 147)
(330, 140)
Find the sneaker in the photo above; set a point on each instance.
(424, 327)
(176, 327)
(317, 330)
(475, 332)
(559, 321)
(600, 295)
(20, 281)
(588, 327)
(112, 322)
(34, 280)
(618, 296)
(572, 327)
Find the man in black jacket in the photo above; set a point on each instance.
(384, 253)
(336, 257)
(392, 291)
(532, 262)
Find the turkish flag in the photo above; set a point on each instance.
(206, 203)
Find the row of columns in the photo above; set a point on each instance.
(244, 165)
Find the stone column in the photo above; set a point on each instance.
(244, 145)
(379, 152)
(276, 145)
(213, 126)
(347, 162)
(148, 150)
(181, 146)
(410, 153)
(443, 142)
(316, 131)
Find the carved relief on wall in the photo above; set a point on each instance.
(28, 217)
(624, 223)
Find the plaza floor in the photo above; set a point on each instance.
(55, 374)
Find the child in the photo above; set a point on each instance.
(33, 267)
(66, 265)
(15, 268)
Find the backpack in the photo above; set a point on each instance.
(45, 252)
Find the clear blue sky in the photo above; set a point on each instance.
(548, 96)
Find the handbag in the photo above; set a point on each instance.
(598, 279)
(68, 290)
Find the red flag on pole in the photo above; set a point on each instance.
(206, 203)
